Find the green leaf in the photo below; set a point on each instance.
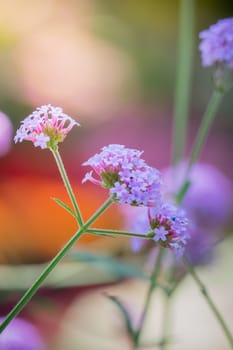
(64, 206)
(124, 313)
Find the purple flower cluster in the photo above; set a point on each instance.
(170, 225)
(167, 225)
(132, 181)
(217, 43)
(129, 178)
(45, 127)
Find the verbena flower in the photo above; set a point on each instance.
(21, 335)
(128, 177)
(6, 130)
(45, 127)
(170, 226)
(217, 43)
(167, 225)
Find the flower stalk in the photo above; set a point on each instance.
(202, 133)
(205, 125)
(67, 184)
(153, 285)
(119, 233)
(183, 78)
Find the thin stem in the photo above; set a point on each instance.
(166, 322)
(167, 306)
(206, 122)
(68, 187)
(50, 267)
(205, 125)
(117, 233)
(210, 302)
(183, 79)
(153, 285)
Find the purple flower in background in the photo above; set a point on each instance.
(129, 178)
(217, 43)
(45, 127)
(199, 248)
(6, 131)
(136, 220)
(20, 335)
(208, 204)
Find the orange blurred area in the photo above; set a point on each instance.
(34, 227)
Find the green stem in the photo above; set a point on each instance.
(205, 125)
(167, 306)
(166, 322)
(67, 184)
(183, 79)
(117, 233)
(206, 122)
(182, 191)
(210, 302)
(49, 268)
(153, 285)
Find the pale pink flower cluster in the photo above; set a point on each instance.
(45, 127)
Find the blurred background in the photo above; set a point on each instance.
(111, 65)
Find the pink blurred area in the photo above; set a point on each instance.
(56, 58)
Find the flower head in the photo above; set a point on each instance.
(217, 43)
(170, 226)
(167, 225)
(45, 127)
(6, 130)
(128, 177)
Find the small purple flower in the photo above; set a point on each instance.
(45, 127)
(21, 335)
(6, 131)
(217, 43)
(171, 227)
(129, 178)
(160, 234)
